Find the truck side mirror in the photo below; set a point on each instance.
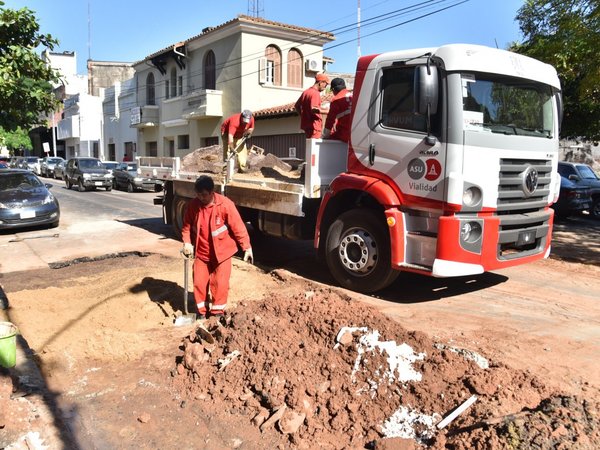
(426, 88)
(559, 108)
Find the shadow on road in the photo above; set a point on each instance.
(153, 225)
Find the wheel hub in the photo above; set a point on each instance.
(358, 251)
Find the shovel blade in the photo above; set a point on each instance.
(188, 319)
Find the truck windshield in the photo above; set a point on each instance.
(505, 105)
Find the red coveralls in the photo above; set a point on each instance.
(338, 118)
(310, 122)
(216, 230)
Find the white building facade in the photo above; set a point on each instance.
(119, 138)
(81, 126)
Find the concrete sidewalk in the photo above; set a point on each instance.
(39, 249)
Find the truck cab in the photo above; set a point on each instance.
(451, 166)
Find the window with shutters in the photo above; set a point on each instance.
(173, 82)
(294, 68)
(273, 68)
(210, 76)
(150, 90)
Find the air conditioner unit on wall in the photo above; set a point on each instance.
(312, 65)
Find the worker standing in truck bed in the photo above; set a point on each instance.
(233, 129)
(309, 107)
(338, 122)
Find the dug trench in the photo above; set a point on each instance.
(296, 364)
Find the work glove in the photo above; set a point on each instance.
(248, 256)
(188, 249)
(247, 134)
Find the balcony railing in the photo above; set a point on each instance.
(198, 104)
(144, 116)
(68, 128)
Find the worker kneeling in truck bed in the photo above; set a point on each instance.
(233, 129)
(213, 227)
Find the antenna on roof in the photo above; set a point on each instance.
(255, 8)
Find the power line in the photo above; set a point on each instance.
(344, 29)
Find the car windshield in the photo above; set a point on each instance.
(131, 167)
(18, 181)
(110, 165)
(54, 160)
(32, 160)
(91, 164)
(587, 173)
(507, 105)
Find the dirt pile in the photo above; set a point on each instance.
(205, 159)
(328, 372)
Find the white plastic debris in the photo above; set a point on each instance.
(454, 414)
(404, 422)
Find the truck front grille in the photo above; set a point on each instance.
(511, 195)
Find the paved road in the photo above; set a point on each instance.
(92, 224)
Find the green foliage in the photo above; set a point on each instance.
(566, 34)
(17, 139)
(25, 78)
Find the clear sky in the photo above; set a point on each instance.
(130, 30)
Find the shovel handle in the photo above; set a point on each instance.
(186, 271)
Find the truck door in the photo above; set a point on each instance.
(399, 146)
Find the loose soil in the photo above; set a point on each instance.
(296, 364)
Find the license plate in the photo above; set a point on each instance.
(98, 183)
(526, 237)
(27, 214)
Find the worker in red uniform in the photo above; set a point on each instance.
(309, 107)
(337, 124)
(212, 226)
(233, 129)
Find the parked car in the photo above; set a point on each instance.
(125, 176)
(26, 201)
(583, 175)
(110, 165)
(59, 170)
(29, 163)
(3, 164)
(48, 164)
(87, 173)
(573, 199)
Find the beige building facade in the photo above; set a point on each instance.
(185, 91)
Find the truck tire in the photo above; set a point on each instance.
(80, 186)
(358, 251)
(130, 187)
(68, 183)
(179, 207)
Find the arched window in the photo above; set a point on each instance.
(210, 75)
(150, 92)
(294, 71)
(173, 82)
(273, 65)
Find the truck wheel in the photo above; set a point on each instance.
(179, 207)
(109, 188)
(358, 251)
(595, 209)
(130, 187)
(80, 186)
(68, 183)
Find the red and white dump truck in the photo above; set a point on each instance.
(450, 170)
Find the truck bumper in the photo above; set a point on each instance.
(504, 241)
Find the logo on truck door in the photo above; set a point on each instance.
(430, 170)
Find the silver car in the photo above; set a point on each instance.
(48, 164)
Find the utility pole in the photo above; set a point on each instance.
(358, 28)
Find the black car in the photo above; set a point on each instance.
(25, 201)
(573, 199)
(125, 176)
(583, 175)
(87, 173)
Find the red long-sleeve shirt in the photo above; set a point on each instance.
(339, 117)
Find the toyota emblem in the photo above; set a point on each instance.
(530, 181)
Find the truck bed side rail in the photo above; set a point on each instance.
(159, 167)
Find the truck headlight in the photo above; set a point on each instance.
(471, 196)
(87, 176)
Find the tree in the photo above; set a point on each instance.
(25, 78)
(15, 140)
(566, 34)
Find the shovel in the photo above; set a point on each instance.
(187, 318)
